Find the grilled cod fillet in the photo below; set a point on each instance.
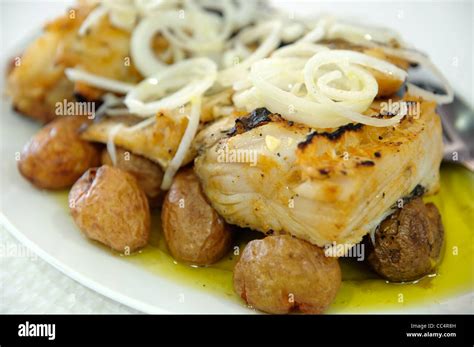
(320, 186)
(160, 140)
(157, 142)
(36, 81)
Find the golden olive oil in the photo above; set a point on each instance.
(361, 289)
(454, 276)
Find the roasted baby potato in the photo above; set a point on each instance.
(282, 274)
(148, 174)
(108, 206)
(193, 230)
(408, 243)
(55, 157)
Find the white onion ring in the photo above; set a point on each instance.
(324, 105)
(143, 56)
(191, 78)
(200, 17)
(348, 60)
(278, 100)
(352, 57)
(209, 36)
(269, 30)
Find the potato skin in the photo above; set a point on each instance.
(282, 274)
(55, 157)
(408, 243)
(148, 174)
(108, 206)
(193, 230)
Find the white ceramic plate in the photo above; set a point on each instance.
(39, 221)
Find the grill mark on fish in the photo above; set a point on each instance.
(332, 136)
(256, 118)
(366, 163)
(334, 179)
(417, 192)
(324, 171)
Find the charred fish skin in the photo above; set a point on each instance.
(322, 186)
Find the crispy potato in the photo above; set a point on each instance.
(408, 243)
(55, 157)
(108, 206)
(193, 230)
(282, 274)
(148, 174)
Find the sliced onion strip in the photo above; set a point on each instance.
(419, 58)
(104, 83)
(92, 19)
(184, 145)
(111, 149)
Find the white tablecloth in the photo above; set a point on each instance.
(30, 285)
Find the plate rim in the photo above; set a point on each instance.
(75, 275)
